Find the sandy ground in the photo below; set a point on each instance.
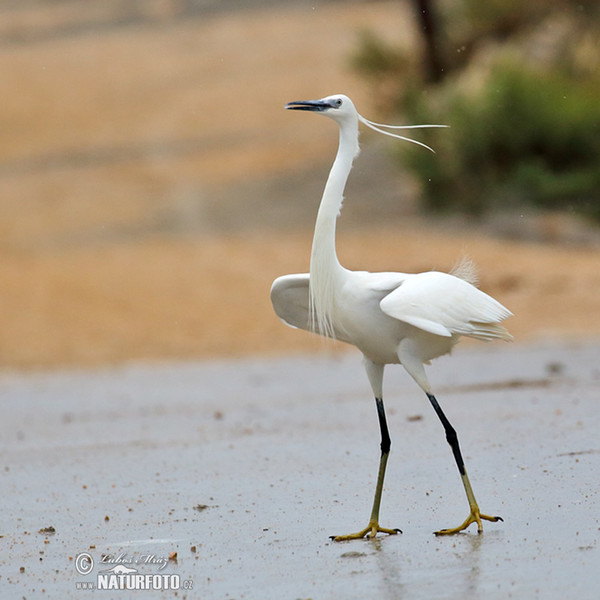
(197, 299)
(152, 187)
(240, 470)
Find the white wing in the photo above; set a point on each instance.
(289, 295)
(446, 305)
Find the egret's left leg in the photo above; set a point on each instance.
(373, 528)
(475, 516)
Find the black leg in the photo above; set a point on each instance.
(475, 515)
(386, 442)
(373, 527)
(451, 436)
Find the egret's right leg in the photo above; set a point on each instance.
(475, 515)
(373, 527)
(408, 354)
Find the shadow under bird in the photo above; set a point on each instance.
(392, 318)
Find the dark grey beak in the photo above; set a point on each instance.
(312, 105)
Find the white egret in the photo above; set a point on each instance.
(392, 318)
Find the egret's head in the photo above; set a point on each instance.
(341, 109)
(338, 107)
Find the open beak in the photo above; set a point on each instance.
(312, 105)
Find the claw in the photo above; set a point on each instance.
(370, 531)
(474, 517)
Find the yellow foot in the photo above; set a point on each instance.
(474, 517)
(370, 531)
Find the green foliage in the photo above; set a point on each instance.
(521, 94)
(518, 136)
(376, 59)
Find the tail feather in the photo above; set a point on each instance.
(489, 331)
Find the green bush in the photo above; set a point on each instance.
(519, 85)
(517, 135)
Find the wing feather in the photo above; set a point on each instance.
(446, 305)
(289, 296)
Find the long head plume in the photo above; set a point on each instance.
(378, 127)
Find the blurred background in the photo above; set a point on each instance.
(152, 186)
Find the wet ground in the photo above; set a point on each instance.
(232, 475)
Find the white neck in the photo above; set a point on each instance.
(325, 268)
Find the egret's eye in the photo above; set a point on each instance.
(337, 103)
